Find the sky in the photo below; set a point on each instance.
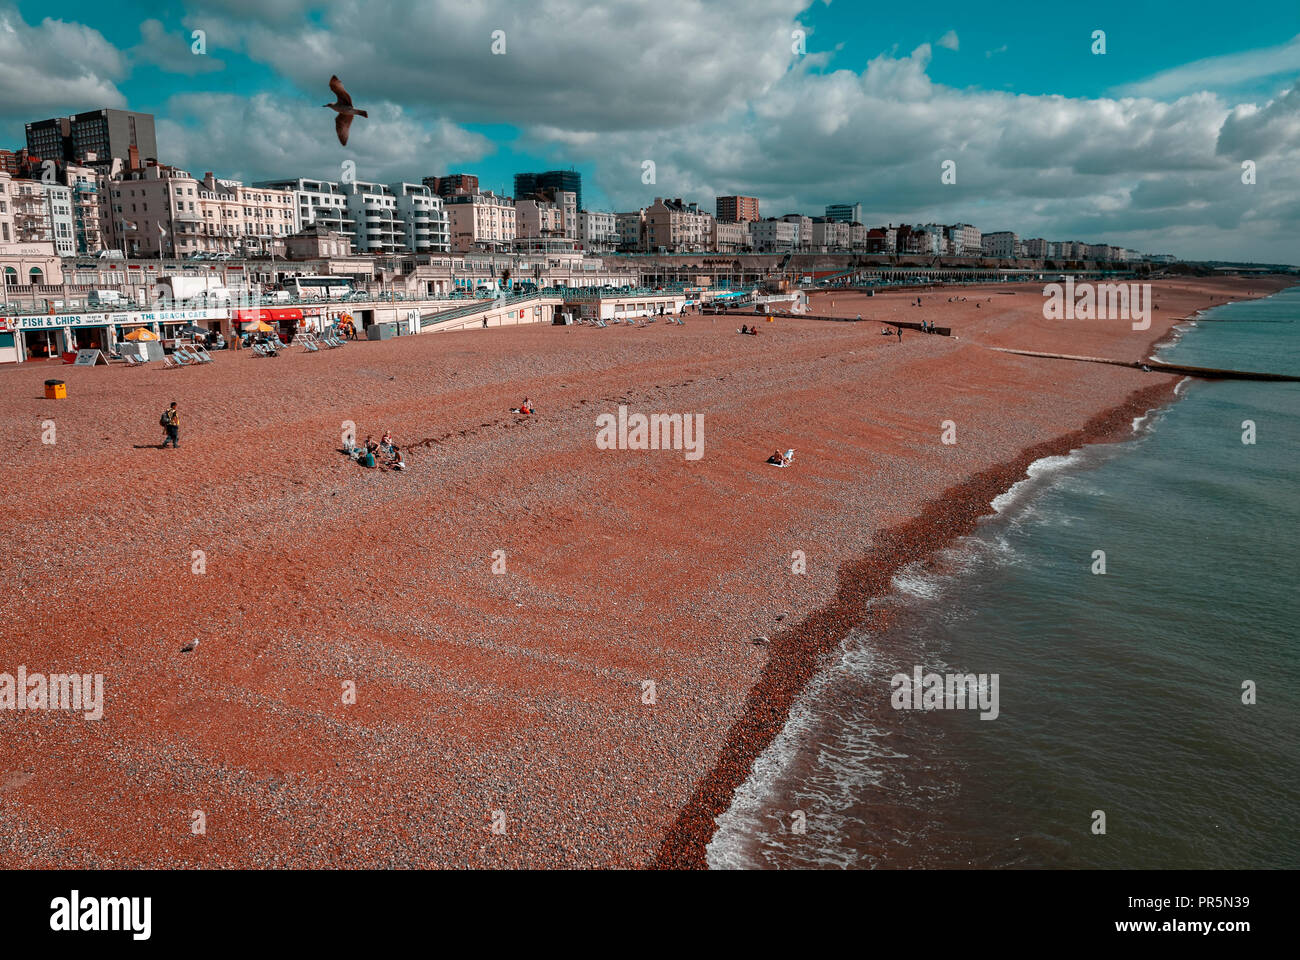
(798, 103)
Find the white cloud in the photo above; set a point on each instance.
(949, 40)
(1220, 73)
(265, 137)
(55, 67)
(713, 94)
(171, 51)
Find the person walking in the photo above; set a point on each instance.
(171, 422)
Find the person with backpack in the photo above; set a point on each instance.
(170, 421)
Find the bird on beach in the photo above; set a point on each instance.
(343, 107)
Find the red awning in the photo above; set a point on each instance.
(268, 314)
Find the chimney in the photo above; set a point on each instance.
(133, 157)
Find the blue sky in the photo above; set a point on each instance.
(1141, 146)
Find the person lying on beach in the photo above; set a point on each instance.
(525, 408)
(396, 461)
(776, 459)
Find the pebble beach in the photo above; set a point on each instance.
(523, 651)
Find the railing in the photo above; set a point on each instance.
(479, 306)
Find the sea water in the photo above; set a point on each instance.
(1126, 735)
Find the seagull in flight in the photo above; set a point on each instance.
(343, 107)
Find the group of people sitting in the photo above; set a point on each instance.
(383, 454)
(748, 330)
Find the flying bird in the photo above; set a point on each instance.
(343, 107)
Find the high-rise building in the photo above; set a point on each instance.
(453, 185)
(106, 133)
(844, 212)
(738, 209)
(528, 185)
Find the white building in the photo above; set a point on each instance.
(964, 240)
(774, 236)
(423, 217)
(379, 228)
(597, 230)
(630, 228)
(803, 229)
(1002, 244)
(316, 203)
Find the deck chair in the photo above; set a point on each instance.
(310, 347)
(171, 363)
(187, 355)
(202, 354)
(131, 360)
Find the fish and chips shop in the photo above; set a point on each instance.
(48, 337)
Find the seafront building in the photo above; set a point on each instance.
(531, 186)
(162, 209)
(774, 236)
(109, 134)
(547, 213)
(737, 209)
(481, 221)
(844, 212)
(597, 231)
(1003, 244)
(673, 226)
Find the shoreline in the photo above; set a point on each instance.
(798, 655)
(801, 653)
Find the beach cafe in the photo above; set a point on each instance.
(283, 320)
(50, 336)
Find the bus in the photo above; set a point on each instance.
(320, 288)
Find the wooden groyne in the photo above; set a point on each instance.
(905, 324)
(1155, 366)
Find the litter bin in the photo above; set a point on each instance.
(56, 390)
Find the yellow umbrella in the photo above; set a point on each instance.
(142, 333)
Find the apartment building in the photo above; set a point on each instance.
(803, 230)
(423, 216)
(630, 229)
(964, 240)
(481, 221)
(43, 212)
(830, 235)
(541, 217)
(844, 212)
(729, 236)
(163, 209)
(773, 236)
(677, 226)
(737, 209)
(597, 230)
(316, 203)
(1002, 244)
